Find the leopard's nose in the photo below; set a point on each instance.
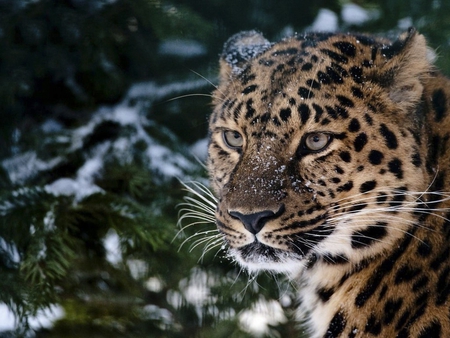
(255, 221)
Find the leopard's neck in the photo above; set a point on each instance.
(356, 300)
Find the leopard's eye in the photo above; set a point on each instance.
(233, 139)
(317, 141)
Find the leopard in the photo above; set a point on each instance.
(329, 158)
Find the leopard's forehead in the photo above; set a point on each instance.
(312, 77)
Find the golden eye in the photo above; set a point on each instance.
(233, 139)
(317, 141)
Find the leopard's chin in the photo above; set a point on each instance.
(256, 257)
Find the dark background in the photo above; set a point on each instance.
(70, 72)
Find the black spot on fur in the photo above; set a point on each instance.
(305, 93)
(319, 112)
(345, 156)
(325, 121)
(325, 294)
(336, 77)
(250, 110)
(353, 332)
(342, 112)
(391, 308)
(356, 92)
(389, 137)
(439, 101)
(395, 167)
(398, 198)
(331, 112)
(285, 114)
(345, 187)
(416, 159)
(375, 157)
(360, 142)
(367, 186)
(418, 313)
(249, 89)
(335, 56)
(373, 326)
(357, 207)
(424, 248)
(431, 331)
(405, 274)
(339, 170)
(307, 66)
(346, 102)
(265, 117)
(356, 74)
(420, 283)
(346, 48)
(246, 76)
(337, 325)
(304, 112)
(323, 78)
(443, 287)
(276, 122)
(368, 236)
(382, 292)
(313, 84)
(368, 119)
(354, 125)
(237, 111)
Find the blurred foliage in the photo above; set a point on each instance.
(60, 62)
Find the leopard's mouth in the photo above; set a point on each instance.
(258, 251)
(258, 256)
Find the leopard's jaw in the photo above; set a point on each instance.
(329, 155)
(283, 262)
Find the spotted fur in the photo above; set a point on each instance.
(362, 223)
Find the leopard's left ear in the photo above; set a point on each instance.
(238, 50)
(408, 62)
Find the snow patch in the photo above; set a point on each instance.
(263, 315)
(154, 91)
(182, 48)
(200, 149)
(138, 268)
(353, 14)
(111, 243)
(70, 187)
(83, 185)
(326, 21)
(51, 126)
(156, 313)
(154, 284)
(10, 250)
(167, 162)
(244, 46)
(43, 319)
(26, 165)
(405, 23)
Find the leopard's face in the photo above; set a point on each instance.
(315, 150)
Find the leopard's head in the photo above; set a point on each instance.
(316, 149)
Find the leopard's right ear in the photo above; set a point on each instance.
(239, 49)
